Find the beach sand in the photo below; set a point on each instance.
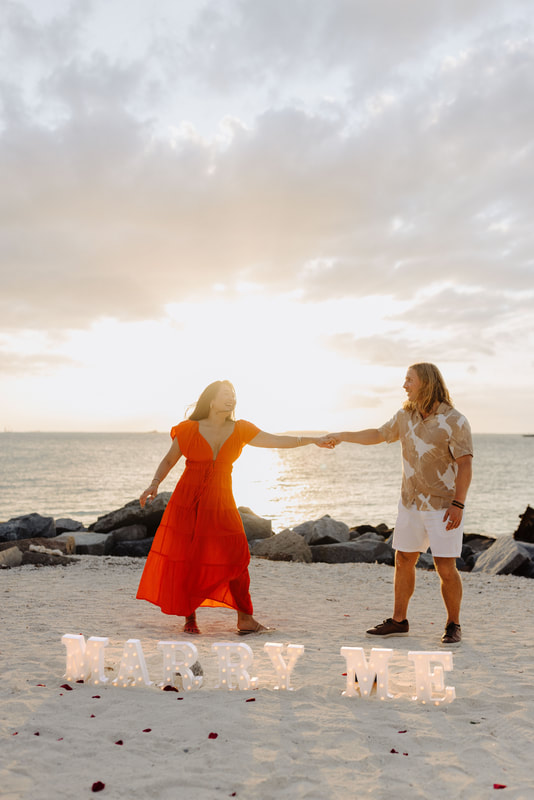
(308, 743)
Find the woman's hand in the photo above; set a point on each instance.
(328, 440)
(149, 494)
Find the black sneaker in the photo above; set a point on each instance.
(452, 635)
(389, 627)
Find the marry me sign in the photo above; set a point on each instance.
(85, 662)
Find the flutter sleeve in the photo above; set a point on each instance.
(183, 432)
(247, 431)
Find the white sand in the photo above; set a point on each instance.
(310, 743)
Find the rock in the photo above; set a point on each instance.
(66, 525)
(11, 557)
(425, 561)
(255, 527)
(28, 526)
(525, 532)
(285, 546)
(477, 542)
(505, 557)
(133, 514)
(87, 543)
(130, 533)
(381, 530)
(46, 559)
(355, 551)
(136, 549)
(323, 531)
(65, 544)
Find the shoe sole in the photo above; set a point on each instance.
(451, 644)
(384, 635)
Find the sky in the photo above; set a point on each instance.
(303, 197)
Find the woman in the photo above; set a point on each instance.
(200, 554)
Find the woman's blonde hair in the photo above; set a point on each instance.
(432, 391)
(202, 406)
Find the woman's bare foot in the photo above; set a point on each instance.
(191, 624)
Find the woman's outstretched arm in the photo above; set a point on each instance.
(285, 441)
(165, 466)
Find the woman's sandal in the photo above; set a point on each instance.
(191, 625)
(259, 628)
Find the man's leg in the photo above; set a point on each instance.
(451, 587)
(404, 583)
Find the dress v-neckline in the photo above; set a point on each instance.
(214, 457)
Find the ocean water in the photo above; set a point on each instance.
(85, 475)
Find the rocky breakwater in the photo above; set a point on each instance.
(129, 531)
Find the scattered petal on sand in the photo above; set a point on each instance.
(213, 735)
(169, 688)
(98, 786)
(119, 741)
(499, 786)
(402, 731)
(40, 684)
(95, 697)
(147, 730)
(66, 687)
(250, 700)
(393, 750)
(36, 733)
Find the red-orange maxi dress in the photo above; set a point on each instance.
(200, 554)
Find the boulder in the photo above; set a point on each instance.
(87, 543)
(477, 542)
(40, 559)
(425, 561)
(525, 532)
(135, 549)
(381, 530)
(133, 514)
(10, 557)
(130, 533)
(67, 525)
(323, 531)
(65, 545)
(505, 557)
(285, 546)
(255, 527)
(28, 526)
(356, 551)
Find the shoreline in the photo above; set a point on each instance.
(308, 743)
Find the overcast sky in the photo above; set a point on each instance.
(303, 196)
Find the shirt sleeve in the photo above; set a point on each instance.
(390, 430)
(461, 441)
(247, 430)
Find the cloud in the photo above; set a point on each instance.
(415, 174)
(39, 363)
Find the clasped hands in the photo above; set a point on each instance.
(329, 440)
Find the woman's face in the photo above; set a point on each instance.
(225, 399)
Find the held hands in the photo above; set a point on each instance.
(329, 440)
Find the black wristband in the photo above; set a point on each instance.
(457, 504)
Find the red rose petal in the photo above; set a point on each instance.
(344, 674)
(147, 730)
(499, 786)
(66, 687)
(119, 741)
(80, 681)
(213, 735)
(60, 740)
(92, 716)
(402, 731)
(98, 786)
(95, 697)
(15, 734)
(40, 684)
(393, 750)
(405, 754)
(251, 700)
(169, 688)
(36, 733)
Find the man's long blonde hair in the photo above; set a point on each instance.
(432, 391)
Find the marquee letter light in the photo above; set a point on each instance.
(132, 669)
(283, 670)
(365, 673)
(234, 660)
(427, 682)
(178, 657)
(85, 662)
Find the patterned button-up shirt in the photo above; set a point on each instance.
(430, 448)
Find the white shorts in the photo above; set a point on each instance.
(416, 531)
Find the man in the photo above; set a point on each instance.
(437, 455)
